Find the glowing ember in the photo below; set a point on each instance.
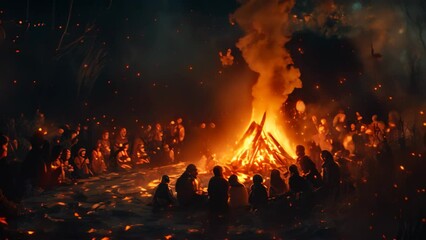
(3, 220)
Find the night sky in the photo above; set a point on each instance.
(156, 60)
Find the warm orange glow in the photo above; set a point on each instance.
(127, 228)
(3, 220)
(30, 232)
(262, 147)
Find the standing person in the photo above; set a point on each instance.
(308, 167)
(98, 162)
(180, 138)
(158, 137)
(188, 189)
(278, 186)
(331, 174)
(258, 197)
(33, 166)
(163, 196)
(218, 191)
(238, 195)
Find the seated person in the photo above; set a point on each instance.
(218, 191)
(238, 195)
(297, 183)
(123, 159)
(188, 189)
(163, 196)
(258, 193)
(278, 186)
(81, 163)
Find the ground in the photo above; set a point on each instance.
(117, 206)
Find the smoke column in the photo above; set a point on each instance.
(266, 27)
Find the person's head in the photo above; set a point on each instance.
(374, 118)
(166, 148)
(165, 179)
(353, 127)
(98, 145)
(300, 150)
(218, 171)
(257, 179)
(326, 156)
(4, 140)
(158, 126)
(105, 135)
(123, 132)
(233, 180)
(66, 154)
(82, 152)
(192, 170)
(293, 170)
(275, 174)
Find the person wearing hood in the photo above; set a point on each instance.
(81, 164)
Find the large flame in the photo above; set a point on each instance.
(266, 24)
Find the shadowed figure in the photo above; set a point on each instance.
(238, 195)
(278, 186)
(163, 196)
(188, 189)
(218, 191)
(308, 167)
(258, 193)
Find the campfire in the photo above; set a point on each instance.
(258, 151)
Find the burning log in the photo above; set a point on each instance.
(257, 149)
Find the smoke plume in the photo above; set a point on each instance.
(266, 27)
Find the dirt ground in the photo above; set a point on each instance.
(117, 206)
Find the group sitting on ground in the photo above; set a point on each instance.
(223, 193)
(34, 160)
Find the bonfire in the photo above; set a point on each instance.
(258, 151)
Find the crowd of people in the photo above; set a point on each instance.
(228, 193)
(341, 156)
(43, 161)
(338, 154)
